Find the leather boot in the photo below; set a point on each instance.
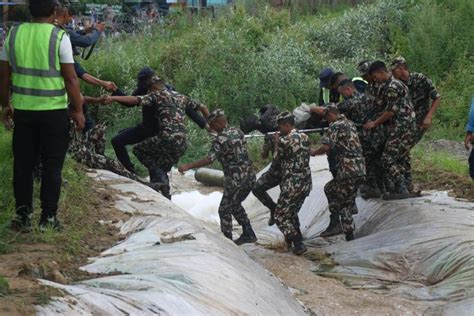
(370, 193)
(248, 236)
(298, 245)
(334, 227)
(349, 236)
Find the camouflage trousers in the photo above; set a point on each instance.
(88, 149)
(341, 195)
(159, 152)
(268, 180)
(396, 159)
(235, 192)
(289, 203)
(373, 143)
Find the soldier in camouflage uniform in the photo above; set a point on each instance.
(229, 148)
(88, 148)
(359, 108)
(399, 110)
(292, 155)
(270, 178)
(160, 152)
(421, 91)
(342, 139)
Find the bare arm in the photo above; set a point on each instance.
(427, 121)
(93, 100)
(125, 100)
(73, 90)
(382, 119)
(204, 110)
(107, 85)
(321, 150)
(193, 165)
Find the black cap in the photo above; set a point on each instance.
(376, 65)
(145, 73)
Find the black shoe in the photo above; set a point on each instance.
(50, 223)
(247, 237)
(162, 188)
(299, 247)
(166, 191)
(350, 236)
(21, 224)
(334, 227)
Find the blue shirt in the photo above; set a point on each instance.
(470, 121)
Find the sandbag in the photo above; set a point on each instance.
(210, 177)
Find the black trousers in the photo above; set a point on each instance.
(44, 134)
(129, 136)
(471, 164)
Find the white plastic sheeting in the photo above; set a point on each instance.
(420, 248)
(171, 264)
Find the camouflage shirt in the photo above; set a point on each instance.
(170, 111)
(421, 90)
(292, 155)
(394, 95)
(372, 92)
(358, 108)
(344, 144)
(230, 149)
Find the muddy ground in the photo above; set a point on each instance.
(321, 296)
(29, 261)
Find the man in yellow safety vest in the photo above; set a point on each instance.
(37, 72)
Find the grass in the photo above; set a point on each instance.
(4, 287)
(427, 160)
(80, 209)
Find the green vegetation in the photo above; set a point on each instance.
(4, 287)
(253, 55)
(77, 201)
(425, 159)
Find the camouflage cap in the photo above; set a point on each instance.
(215, 114)
(363, 67)
(330, 107)
(398, 62)
(284, 115)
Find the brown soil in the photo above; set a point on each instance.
(31, 259)
(325, 296)
(460, 187)
(428, 177)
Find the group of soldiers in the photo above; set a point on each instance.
(371, 123)
(369, 131)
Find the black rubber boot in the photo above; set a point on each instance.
(399, 194)
(166, 191)
(370, 193)
(349, 236)
(248, 236)
(334, 227)
(298, 245)
(228, 235)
